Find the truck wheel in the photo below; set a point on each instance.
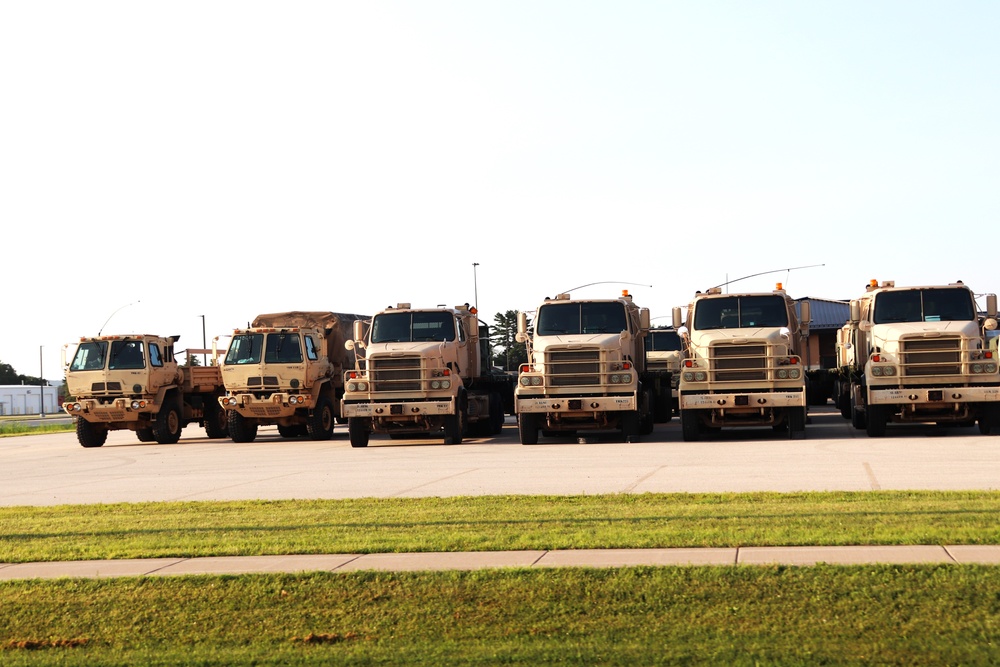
(167, 426)
(858, 417)
(321, 420)
(145, 435)
(496, 414)
(241, 430)
(989, 420)
(631, 426)
(90, 434)
(357, 429)
(454, 425)
(690, 428)
(216, 422)
(527, 428)
(877, 418)
(796, 423)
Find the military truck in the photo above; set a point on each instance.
(424, 372)
(286, 369)
(664, 352)
(919, 354)
(742, 366)
(134, 382)
(586, 370)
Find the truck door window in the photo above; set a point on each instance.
(154, 355)
(283, 348)
(311, 353)
(126, 355)
(89, 356)
(245, 349)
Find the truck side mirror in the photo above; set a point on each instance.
(644, 318)
(991, 305)
(678, 322)
(805, 317)
(359, 330)
(855, 310)
(522, 328)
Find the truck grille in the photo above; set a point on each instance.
(266, 382)
(739, 363)
(395, 374)
(922, 357)
(573, 368)
(106, 388)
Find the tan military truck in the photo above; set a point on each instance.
(286, 369)
(134, 382)
(424, 372)
(919, 354)
(664, 352)
(586, 369)
(741, 364)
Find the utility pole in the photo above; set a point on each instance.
(41, 383)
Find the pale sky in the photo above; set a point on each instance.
(233, 158)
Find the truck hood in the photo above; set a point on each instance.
(590, 340)
(886, 336)
(754, 335)
(433, 348)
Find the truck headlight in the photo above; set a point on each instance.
(794, 373)
(782, 374)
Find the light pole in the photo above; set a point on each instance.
(41, 383)
(204, 343)
(475, 286)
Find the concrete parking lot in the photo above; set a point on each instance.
(54, 469)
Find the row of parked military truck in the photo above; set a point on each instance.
(906, 354)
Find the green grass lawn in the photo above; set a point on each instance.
(492, 523)
(822, 615)
(743, 615)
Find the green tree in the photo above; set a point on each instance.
(9, 376)
(510, 354)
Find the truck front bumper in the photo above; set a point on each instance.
(737, 401)
(572, 406)
(274, 406)
(397, 411)
(932, 396)
(118, 412)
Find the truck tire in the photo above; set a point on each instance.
(796, 423)
(320, 423)
(690, 427)
(241, 430)
(496, 414)
(631, 426)
(454, 425)
(90, 434)
(527, 428)
(357, 430)
(145, 435)
(167, 425)
(989, 419)
(858, 417)
(216, 421)
(877, 416)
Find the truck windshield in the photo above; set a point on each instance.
(588, 317)
(90, 356)
(663, 341)
(283, 348)
(737, 312)
(245, 349)
(408, 327)
(126, 354)
(946, 304)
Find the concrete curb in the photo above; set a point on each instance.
(477, 560)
